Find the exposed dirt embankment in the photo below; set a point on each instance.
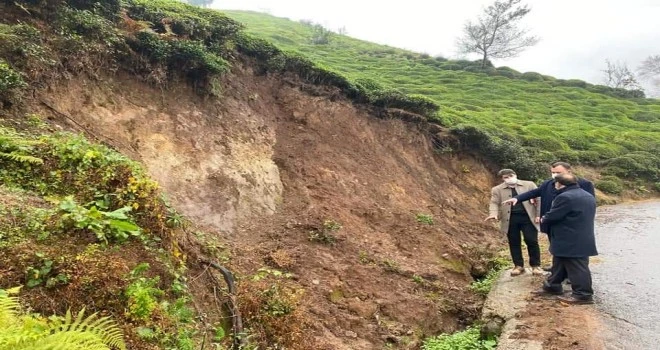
(267, 164)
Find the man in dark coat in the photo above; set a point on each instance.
(547, 193)
(571, 221)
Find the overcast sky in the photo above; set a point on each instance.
(576, 35)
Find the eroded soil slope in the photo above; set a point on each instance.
(274, 169)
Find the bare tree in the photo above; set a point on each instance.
(649, 72)
(618, 75)
(496, 34)
(650, 67)
(320, 35)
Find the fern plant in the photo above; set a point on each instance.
(30, 332)
(17, 148)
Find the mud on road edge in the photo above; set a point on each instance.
(524, 322)
(507, 298)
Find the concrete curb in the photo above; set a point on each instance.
(508, 297)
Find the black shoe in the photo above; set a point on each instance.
(545, 293)
(571, 299)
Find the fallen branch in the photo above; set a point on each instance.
(237, 322)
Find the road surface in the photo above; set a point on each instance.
(626, 275)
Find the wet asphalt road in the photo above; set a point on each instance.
(626, 275)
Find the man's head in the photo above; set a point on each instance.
(557, 168)
(508, 176)
(563, 180)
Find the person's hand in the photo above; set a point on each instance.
(537, 220)
(492, 217)
(511, 201)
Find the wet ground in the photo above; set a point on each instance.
(626, 274)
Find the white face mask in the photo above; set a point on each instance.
(554, 175)
(511, 180)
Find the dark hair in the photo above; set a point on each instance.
(562, 164)
(505, 172)
(566, 179)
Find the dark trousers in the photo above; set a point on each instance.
(517, 223)
(576, 270)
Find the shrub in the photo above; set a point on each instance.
(152, 46)
(505, 153)
(70, 165)
(418, 104)
(424, 219)
(469, 339)
(22, 47)
(571, 83)
(646, 117)
(189, 58)
(531, 76)
(507, 72)
(551, 143)
(142, 293)
(610, 184)
(256, 47)
(194, 58)
(10, 82)
(567, 156)
(325, 234)
(88, 25)
(637, 164)
(320, 35)
(107, 8)
(451, 66)
(615, 92)
(589, 157)
(184, 20)
(107, 226)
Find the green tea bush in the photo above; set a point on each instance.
(184, 20)
(88, 25)
(610, 184)
(189, 58)
(506, 153)
(22, 48)
(635, 165)
(107, 8)
(531, 76)
(507, 72)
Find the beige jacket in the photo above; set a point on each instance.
(502, 192)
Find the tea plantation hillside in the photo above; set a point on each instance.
(611, 129)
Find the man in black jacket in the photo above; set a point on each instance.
(571, 220)
(547, 192)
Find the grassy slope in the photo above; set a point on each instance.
(585, 126)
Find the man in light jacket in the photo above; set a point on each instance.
(517, 218)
